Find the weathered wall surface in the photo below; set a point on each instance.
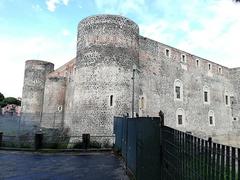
(106, 52)
(54, 102)
(33, 89)
(97, 84)
(158, 73)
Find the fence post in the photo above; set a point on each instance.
(38, 140)
(161, 115)
(86, 140)
(1, 135)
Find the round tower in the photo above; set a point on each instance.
(33, 90)
(107, 51)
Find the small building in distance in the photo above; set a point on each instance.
(11, 109)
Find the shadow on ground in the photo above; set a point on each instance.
(60, 166)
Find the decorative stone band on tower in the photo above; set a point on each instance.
(33, 90)
(107, 50)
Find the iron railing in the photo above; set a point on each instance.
(181, 156)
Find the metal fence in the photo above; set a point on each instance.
(154, 151)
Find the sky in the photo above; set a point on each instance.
(47, 30)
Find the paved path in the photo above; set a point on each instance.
(36, 166)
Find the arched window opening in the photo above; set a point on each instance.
(206, 95)
(180, 117)
(211, 118)
(178, 90)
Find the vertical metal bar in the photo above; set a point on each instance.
(206, 159)
(222, 162)
(213, 173)
(227, 162)
(191, 157)
(218, 162)
(202, 159)
(209, 157)
(233, 170)
(184, 156)
(238, 159)
(195, 156)
(198, 158)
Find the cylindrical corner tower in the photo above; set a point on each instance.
(33, 90)
(107, 51)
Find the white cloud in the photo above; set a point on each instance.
(18, 50)
(65, 32)
(52, 4)
(37, 8)
(209, 30)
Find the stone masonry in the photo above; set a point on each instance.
(195, 94)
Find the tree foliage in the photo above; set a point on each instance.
(1, 97)
(9, 100)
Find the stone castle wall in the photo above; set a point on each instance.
(97, 85)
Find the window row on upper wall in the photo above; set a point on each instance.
(178, 93)
(197, 61)
(181, 118)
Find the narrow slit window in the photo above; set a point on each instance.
(210, 120)
(167, 52)
(205, 96)
(209, 67)
(177, 90)
(220, 70)
(111, 100)
(197, 62)
(226, 100)
(180, 121)
(183, 58)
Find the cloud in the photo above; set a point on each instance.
(65, 32)
(122, 7)
(18, 50)
(209, 30)
(52, 4)
(37, 8)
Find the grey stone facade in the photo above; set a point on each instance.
(195, 94)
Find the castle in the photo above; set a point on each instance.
(195, 94)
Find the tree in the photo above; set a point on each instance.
(1, 97)
(12, 100)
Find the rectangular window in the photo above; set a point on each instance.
(220, 70)
(177, 89)
(210, 120)
(197, 62)
(209, 67)
(226, 99)
(183, 58)
(205, 96)
(180, 120)
(167, 52)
